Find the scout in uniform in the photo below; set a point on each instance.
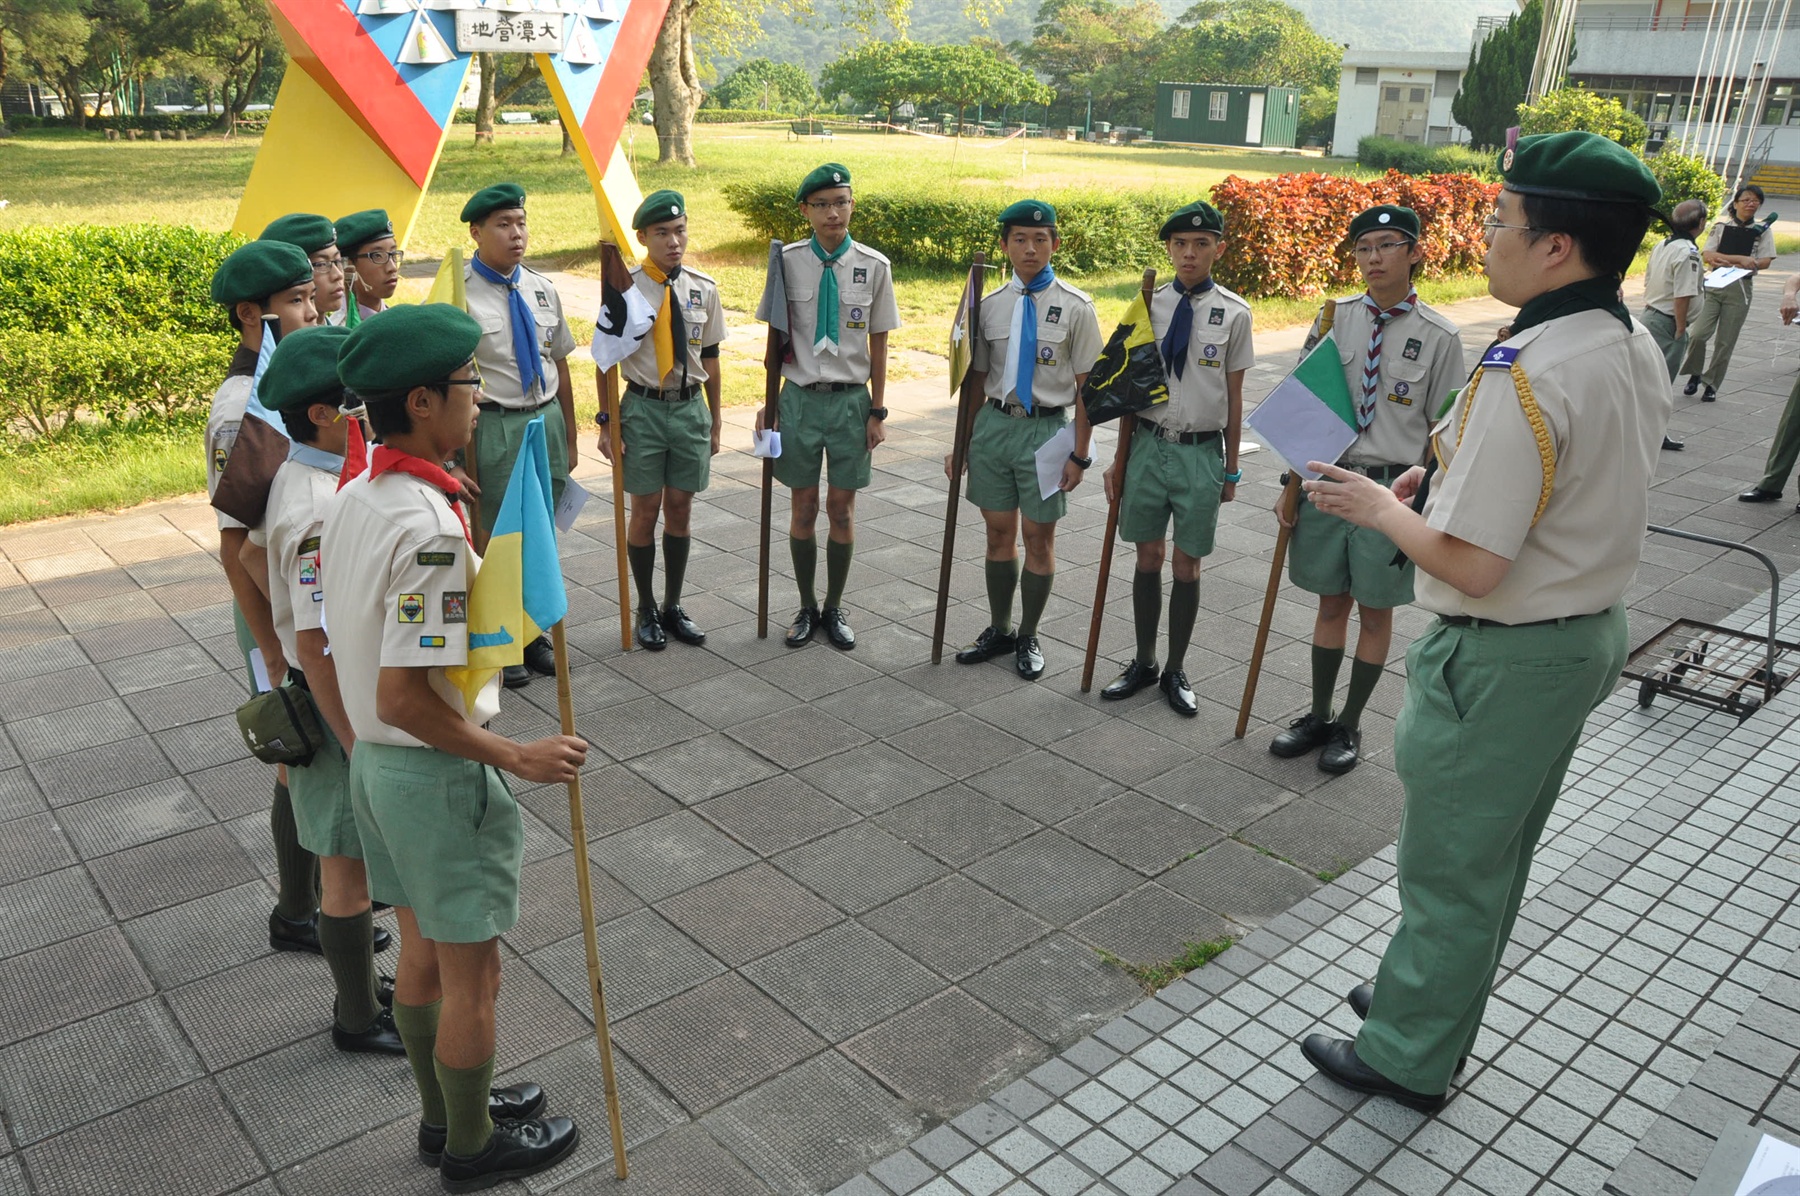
(317, 238)
(1672, 288)
(1184, 456)
(366, 240)
(1525, 547)
(1401, 361)
(525, 345)
(669, 439)
(1784, 450)
(302, 387)
(841, 307)
(1723, 309)
(440, 832)
(1039, 337)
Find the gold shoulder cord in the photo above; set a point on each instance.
(1533, 416)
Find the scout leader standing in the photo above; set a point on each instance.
(1401, 361)
(373, 258)
(840, 296)
(1039, 338)
(1672, 288)
(1183, 459)
(1525, 548)
(440, 831)
(316, 237)
(523, 355)
(302, 387)
(668, 436)
(1738, 240)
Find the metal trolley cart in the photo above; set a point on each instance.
(1714, 666)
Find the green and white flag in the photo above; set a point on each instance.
(1310, 415)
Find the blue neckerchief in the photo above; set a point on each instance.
(1181, 325)
(524, 325)
(1028, 333)
(317, 458)
(254, 405)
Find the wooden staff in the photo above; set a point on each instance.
(1127, 429)
(584, 890)
(1290, 506)
(968, 403)
(615, 275)
(772, 354)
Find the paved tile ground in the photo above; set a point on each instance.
(843, 897)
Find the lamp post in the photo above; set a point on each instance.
(1087, 129)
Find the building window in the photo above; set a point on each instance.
(1775, 108)
(1416, 95)
(1448, 82)
(1391, 94)
(1215, 105)
(1178, 107)
(1366, 75)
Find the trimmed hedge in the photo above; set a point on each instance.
(48, 379)
(119, 279)
(167, 122)
(1385, 153)
(732, 116)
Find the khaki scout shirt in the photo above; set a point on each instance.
(1603, 390)
(401, 572)
(1220, 345)
(1068, 337)
(865, 306)
(699, 321)
(1421, 363)
(228, 406)
(1674, 272)
(291, 533)
(490, 304)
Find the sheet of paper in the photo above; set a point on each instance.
(259, 669)
(1774, 1159)
(765, 443)
(568, 508)
(1720, 276)
(1051, 457)
(1289, 424)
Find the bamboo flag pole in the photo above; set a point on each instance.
(584, 890)
(968, 402)
(1127, 429)
(612, 270)
(1290, 507)
(772, 405)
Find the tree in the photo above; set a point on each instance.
(494, 91)
(770, 86)
(1499, 71)
(966, 76)
(1570, 109)
(225, 45)
(880, 76)
(1318, 114)
(1097, 48)
(30, 27)
(1251, 42)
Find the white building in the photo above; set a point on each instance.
(1398, 94)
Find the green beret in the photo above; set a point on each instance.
(1197, 217)
(1029, 213)
(304, 369)
(493, 199)
(311, 233)
(255, 271)
(359, 228)
(832, 174)
(657, 207)
(407, 346)
(1389, 216)
(1578, 166)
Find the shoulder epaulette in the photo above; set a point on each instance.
(1500, 357)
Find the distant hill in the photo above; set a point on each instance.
(1394, 24)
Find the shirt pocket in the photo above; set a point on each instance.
(494, 325)
(546, 328)
(1210, 345)
(1052, 345)
(853, 308)
(1405, 381)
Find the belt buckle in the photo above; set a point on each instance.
(1017, 411)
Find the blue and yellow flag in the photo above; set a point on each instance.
(518, 591)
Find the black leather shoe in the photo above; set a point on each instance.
(1336, 1057)
(1692, 385)
(381, 1038)
(303, 935)
(515, 676)
(517, 1149)
(650, 630)
(1137, 675)
(384, 991)
(1305, 733)
(1709, 395)
(1759, 495)
(676, 622)
(1339, 756)
(837, 628)
(1673, 446)
(1028, 658)
(504, 1104)
(1179, 693)
(805, 623)
(990, 643)
(1363, 995)
(540, 657)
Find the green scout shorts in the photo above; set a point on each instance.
(323, 813)
(1003, 464)
(816, 425)
(498, 435)
(441, 836)
(1164, 479)
(1329, 555)
(666, 444)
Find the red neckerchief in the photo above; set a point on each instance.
(385, 458)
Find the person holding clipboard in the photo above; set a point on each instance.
(1737, 240)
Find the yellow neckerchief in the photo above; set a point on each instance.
(663, 332)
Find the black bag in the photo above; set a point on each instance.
(282, 726)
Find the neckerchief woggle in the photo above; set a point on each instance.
(825, 327)
(524, 325)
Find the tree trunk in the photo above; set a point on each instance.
(675, 85)
(568, 146)
(486, 103)
(70, 86)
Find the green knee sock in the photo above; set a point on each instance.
(1002, 580)
(466, 1106)
(347, 946)
(1363, 676)
(1326, 662)
(806, 567)
(1146, 612)
(643, 569)
(1034, 592)
(418, 1026)
(837, 570)
(296, 869)
(1184, 608)
(675, 557)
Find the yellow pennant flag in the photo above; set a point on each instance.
(448, 286)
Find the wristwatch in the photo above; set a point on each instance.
(879, 414)
(604, 418)
(1234, 477)
(1081, 462)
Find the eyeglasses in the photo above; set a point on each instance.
(829, 205)
(444, 384)
(1365, 252)
(327, 265)
(1494, 224)
(382, 257)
